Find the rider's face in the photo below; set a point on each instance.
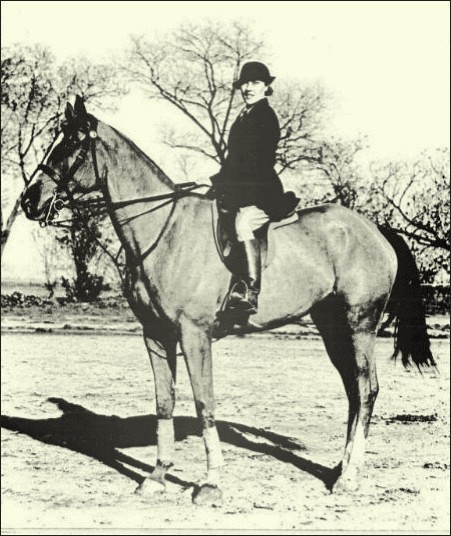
(253, 91)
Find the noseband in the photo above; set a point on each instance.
(62, 181)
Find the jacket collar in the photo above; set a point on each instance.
(258, 104)
(248, 109)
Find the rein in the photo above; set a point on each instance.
(180, 191)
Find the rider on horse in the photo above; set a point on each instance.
(247, 185)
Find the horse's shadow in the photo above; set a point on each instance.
(99, 436)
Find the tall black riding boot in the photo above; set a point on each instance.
(244, 297)
(253, 276)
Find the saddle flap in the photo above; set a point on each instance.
(226, 239)
(227, 242)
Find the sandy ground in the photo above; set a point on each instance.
(78, 434)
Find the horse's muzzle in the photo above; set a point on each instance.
(37, 201)
(31, 200)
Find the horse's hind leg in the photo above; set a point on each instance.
(349, 336)
(163, 359)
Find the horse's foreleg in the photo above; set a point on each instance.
(196, 346)
(163, 360)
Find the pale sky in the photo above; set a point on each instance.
(386, 63)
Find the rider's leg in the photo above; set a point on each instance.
(252, 277)
(245, 294)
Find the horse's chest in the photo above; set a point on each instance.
(144, 302)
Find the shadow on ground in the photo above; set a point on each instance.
(99, 436)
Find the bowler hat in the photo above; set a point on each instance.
(253, 70)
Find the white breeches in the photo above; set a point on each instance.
(248, 220)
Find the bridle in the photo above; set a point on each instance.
(88, 145)
(62, 181)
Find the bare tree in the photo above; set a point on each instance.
(413, 199)
(342, 176)
(193, 69)
(34, 91)
(29, 114)
(302, 111)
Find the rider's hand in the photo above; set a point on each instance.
(211, 193)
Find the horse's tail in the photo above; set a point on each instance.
(406, 306)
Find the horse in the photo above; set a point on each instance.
(331, 263)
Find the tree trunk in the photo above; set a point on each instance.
(12, 217)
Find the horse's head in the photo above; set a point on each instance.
(68, 169)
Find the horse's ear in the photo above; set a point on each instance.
(80, 109)
(69, 112)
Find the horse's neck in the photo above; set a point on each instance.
(127, 174)
(130, 172)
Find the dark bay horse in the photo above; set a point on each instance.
(332, 263)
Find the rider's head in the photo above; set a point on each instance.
(254, 82)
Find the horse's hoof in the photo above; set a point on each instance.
(150, 487)
(207, 494)
(345, 485)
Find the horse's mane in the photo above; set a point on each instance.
(154, 167)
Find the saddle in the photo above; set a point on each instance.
(226, 239)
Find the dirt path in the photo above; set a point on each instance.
(74, 461)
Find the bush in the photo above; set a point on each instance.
(17, 299)
(86, 287)
(436, 298)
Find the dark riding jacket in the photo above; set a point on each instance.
(247, 176)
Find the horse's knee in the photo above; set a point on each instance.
(207, 422)
(205, 412)
(165, 406)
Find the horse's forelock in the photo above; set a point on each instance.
(76, 124)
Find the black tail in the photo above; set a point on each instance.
(406, 307)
